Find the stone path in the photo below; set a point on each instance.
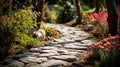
(59, 53)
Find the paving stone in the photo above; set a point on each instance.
(54, 63)
(62, 50)
(48, 51)
(87, 42)
(80, 38)
(16, 64)
(59, 40)
(25, 54)
(76, 47)
(70, 44)
(12, 63)
(32, 65)
(75, 50)
(20, 56)
(85, 45)
(68, 58)
(8, 61)
(33, 59)
(47, 54)
(71, 53)
(48, 48)
(58, 45)
(35, 50)
(69, 40)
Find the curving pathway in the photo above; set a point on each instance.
(59, 53)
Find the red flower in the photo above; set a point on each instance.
(107, 42)
(106, 45)
(101, 47)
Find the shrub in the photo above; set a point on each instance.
(102, 26)
(26, 41)
(67, 13)
(14, 28)
(108, 52)
(99, 20)
(7, 36)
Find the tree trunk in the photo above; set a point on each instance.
(38, 7)
(98, 5)
(112, 17)
(78, 11)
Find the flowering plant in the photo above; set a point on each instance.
(107, 51)
(101, 27)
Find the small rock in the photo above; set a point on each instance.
(40, 33)
(88, 27)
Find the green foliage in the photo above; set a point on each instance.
(26, 41)
(107, 52)
(14, 28)
(24, 20)
(110, 59)
(68, 12)
(85, 8)
(52, 16)
(6, 38)
(49, 31)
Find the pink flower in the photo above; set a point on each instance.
(113, 38)
(96, 15)
(106, 45)
(101, 47)
(107, 42)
